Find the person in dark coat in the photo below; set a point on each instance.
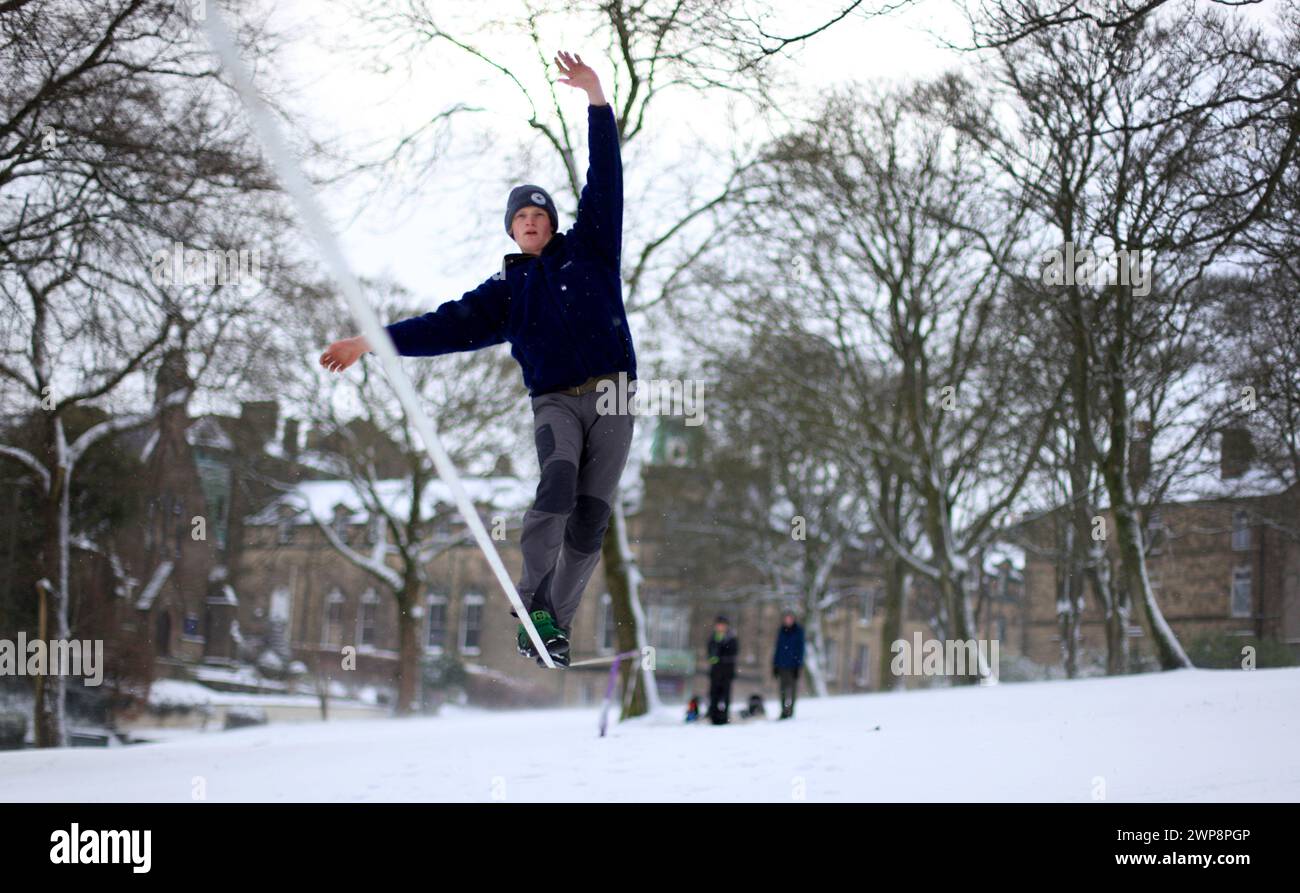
(788, 661)
(723, 649)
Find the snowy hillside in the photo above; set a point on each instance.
(1191, 735)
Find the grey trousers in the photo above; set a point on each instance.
(582, 454)
(789, 677)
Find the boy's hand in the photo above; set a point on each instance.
(581, 75)
(342, 354)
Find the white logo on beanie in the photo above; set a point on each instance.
(539, 198)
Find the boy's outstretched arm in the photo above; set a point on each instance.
(477, 320)
(600, 208)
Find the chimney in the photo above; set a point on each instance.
(259, 418)
(1236, 452)
(290, 445)
(1139, 455)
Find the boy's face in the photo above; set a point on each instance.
(531, 229)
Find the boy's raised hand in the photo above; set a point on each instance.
(577, 73)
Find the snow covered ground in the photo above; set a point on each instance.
(1190, 735)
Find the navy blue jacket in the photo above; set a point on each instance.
(562, 311)
(789, 647)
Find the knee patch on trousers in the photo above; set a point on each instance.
(556, 489)
(544, 437)
(587, 524)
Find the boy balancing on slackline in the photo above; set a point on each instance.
(559, 302)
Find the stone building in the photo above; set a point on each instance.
(1223, 558)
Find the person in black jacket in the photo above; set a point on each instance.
(788, 661)
(723, 649)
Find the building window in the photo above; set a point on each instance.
(281, 611)
(1241, 592)
(286, 531)
(1156, 533)
(334, 619)
(862, 666)
(832, 660)
(341, 524)
(471, 622)
(866, 603)
(436, 639)
(367, 619)
(1240, 531)
(608, 637)
(669, 627)
(163, 634)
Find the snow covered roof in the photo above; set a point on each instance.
(1210, 485)
(1205, 486)
(160, 575)
(320, 498)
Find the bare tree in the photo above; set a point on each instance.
(114, 144)
(1128, 138)
(903, 241)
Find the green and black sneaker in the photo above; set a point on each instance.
(554, 638)
(560, 660)
(558, 646)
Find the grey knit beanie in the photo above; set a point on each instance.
(528, 194)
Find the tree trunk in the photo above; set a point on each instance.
(1069, 604)
(891, 629)
(1114, 472)
(49, 728)
(953, 591)
(1128, 533)
(1133, 569)
(408, 648)
(814, 648)
(1115, 607)
(629, 633)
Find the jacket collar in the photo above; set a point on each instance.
(553, 245)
